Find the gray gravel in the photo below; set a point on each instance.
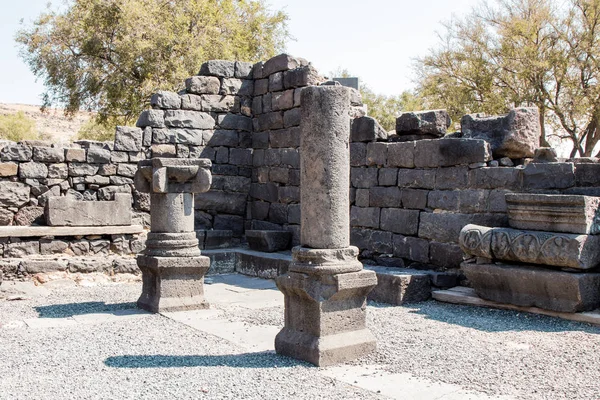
(152, 357)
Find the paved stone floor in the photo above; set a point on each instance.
(223, 352)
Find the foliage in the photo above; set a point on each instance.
(94, 130)
(109, 56)
(521, 52)
(17, 127)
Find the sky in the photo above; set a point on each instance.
(376, 40)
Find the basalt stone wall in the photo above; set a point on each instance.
(410, 200)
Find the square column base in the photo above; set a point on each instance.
(172, 283)
(325, 317)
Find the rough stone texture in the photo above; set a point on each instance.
(8, 169)
(202, 85)
(325, 156)
(555, 213)
(532, 247)
(16, 152)
(66, 211)
(399, 286)
(221, 68)
(268, 241)
(530, 286)
(166, 100)
(367, 129)
(549, 176)
(189, 119)
(128, 138)
(14, 194)
(450, 152)
(30, 215)
(48, 154)
(515, 135)
(152, 118)
(35, 170)
(281, 62)
(434, 122)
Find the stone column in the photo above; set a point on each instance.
(326, 287)
(172, 268)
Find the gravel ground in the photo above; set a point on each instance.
(496, 352)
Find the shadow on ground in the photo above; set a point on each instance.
(71, 309)
(267, 359)
(490, 319)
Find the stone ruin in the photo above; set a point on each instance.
(419, 199)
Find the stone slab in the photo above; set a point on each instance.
(39, 231)
(531, 286)
(66, 211)
(554, 212)
(398, 286)
(533, 247)
(268, 241)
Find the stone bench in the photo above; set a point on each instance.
(41, 231)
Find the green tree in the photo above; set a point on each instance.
(510, 53)
(109, 56)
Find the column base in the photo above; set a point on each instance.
(325, 317)
(172, 283)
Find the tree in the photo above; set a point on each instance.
(109, 56)
(522, 52)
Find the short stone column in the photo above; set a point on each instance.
(172, 268)
(326, 287)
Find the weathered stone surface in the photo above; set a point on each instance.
(450, 152)
(189, 119)
(6, 217)
(75, 155)
(87, 265)
(281, 62)
(50, 246)
(549, 176)
(16, 152)
(152, 118)
(268, 241)
(533, 247)
(237, 87)
(235, 122)
(433, 122)
(531, 286)
(21, 249)
(97, 155)
(48, 154)
(401, 155)
(219, 103)
(8, 169)
(401, 221)
(446, 227)
(166, 100)
(363, 177)
(128, 138)
(331, 327)
(14, 194)
(416, 178)
(32, 169)
(495, 178)
(545, 154)
(39, 266)
(325, 143)
(555, 213)
(399, 286)
(515, 135)
(82, 169)
(221, 68)
(367, 129)
(385, 197)
(65, 211)
(411, 248)
(30, 215)
(203, 85)
(367, 217)
(218, 239)
(302, 76)
(243, 70)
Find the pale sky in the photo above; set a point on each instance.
(375, 40)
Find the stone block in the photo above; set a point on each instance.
(66, 211)
(363, 177)
(233, 223)
(515, 135)
(266, 266)
(194, 102)
(554, 213)
(268, 241)
(533, 247)
(358, 154)
(446, 227)
(128, 138)
(367, 129)
(449, 152)
(367, 217)
(434, 122)
(221, 137)
(8, 169)
(203, 85)
(411, 248)
(42, 266)
(75, 155)
(495, 178)
(281, 62)
(58, 171)
(466, 201)
(399, 286)
(164, 150)
(302, 76)
(385, 197)
(16, 152)
(416, 178)
(152, 118)
(414, 198)
(237, 87)
(377, 153)
(21, 249)
(291, 117)
(165, 100)
(401, 155)
(235, 122)
(50, 246)
(48, 154)
(32, 169)
(388, 176)
(219, 103)
(270, 120)
(401, 221)
(6, 217)
(289, 194)
(119, 157)
(189, 119)
(587, 174)
(218, 239)
(282, 100)
(452, 178)
(220, 68)
(285, 137)
(221, 202)
(243, 70)
(14, 194)
(530, 286)
(97, 155)
(276, 82)
(549, 176)
(29, 215)
(445, 255)
(381, 242)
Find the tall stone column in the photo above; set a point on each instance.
(326, 287)
(172, 268)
